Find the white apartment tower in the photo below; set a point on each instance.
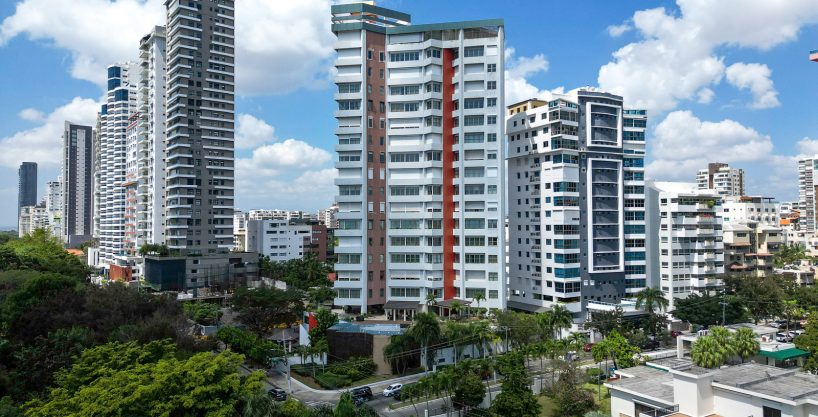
(806, 193)
(420, 160)
(728, 182)
(112, 134)
(685, 239)
(576, 200)
(53, 205)
(150, 151)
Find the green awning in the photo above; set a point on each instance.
(781, 355)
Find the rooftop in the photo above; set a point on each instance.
(375, 329)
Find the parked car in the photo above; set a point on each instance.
(361, 394)
(783, 337)
(277, 394)
(392, 389)
(588, 347)
(675, 333)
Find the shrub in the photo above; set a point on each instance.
(332, 381)
(256, 349)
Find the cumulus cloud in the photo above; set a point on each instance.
(43, 143)
(32, 115)
(807, 147)
(677, 56)
(618, 30)
(683, 144)
(705, 96)
(280, 45)
(252, 132)
(518, 69)
(756, 78)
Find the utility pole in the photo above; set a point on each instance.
(723, 312)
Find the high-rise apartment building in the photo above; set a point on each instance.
(328, 216)
(150, 149)
(53, 205)
(32, 218)
(806, 193)
(720, 177)
(283, 240)
(684, 234)
(420, 160)
(576, 218)
(27, 185)
(114, 119)
(78, 184)
(752, 234)
(200, 118)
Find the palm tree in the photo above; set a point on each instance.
(724, 340)
(651, 299)
(577, 340)
(455, 308)
(430, 300)
(561, 318)
(485, 367)
(707, 353)
(546, 320)
(477, 299)
(744, 344)
(425, 330)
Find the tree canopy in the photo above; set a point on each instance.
(263, 309)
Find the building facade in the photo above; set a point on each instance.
(764, 210)
(53, 205)
(685, 239)
(78, 184)
(150, 144)
(200, 116)
(27, 184)
(576, 201)
(283, 240)
(724, 180)
(328, 217)
(749, 247)
(114, 120)
(806, 193)
(420, 200)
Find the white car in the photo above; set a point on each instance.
(392, 389)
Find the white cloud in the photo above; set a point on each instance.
(280, 45)
(677, 57)
(683, 144)
(43, 144)
(807, 147)
(616, 31)
(705, 96)
(273, 159)
(756, 78)
(32, 115)
(252, 132)
(518, 69)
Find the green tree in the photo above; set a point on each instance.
(325, 319)
(469, 392)
(808, 342)
(763, 296)
(203, 384)
(744, 344)
(478, 298)
(606, 322)
(426, 331)
(262, 309)
(345, 407)
(570, 398)
(616, 348)
(707, 352)
(788, 255)
(203, 313)
(515, 397)
(724, 340)
(706, 309)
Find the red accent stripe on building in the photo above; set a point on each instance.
(448, 176)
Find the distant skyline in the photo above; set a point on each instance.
(742, 91)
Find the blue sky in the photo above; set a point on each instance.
(727, 80)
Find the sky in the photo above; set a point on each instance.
(727, 81)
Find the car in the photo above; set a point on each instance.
(277, 394)
(392, 389)
(675, 333)
(361, 394)
(588, 347)
(783, 337)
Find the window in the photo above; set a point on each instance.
(472, 51)
(491, 120)
(475, 258)
(405, 258)
(473, 120)
(349, 190)
(404, 56)
(491, 68)
(770, 412)
(404, 292)
(346, 88)
(369, 53)
(491, 85)
(381, 56)
(404, 157)
(403, 107)
(349, 104)
(433, 53)
(491, 102)
(493, 294)
(475, 223)
(473, 103)
(402, 90)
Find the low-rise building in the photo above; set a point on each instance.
(771, 352)
(678, 388)
(802, 273)
(216, 272)
(282, 240)
(749, 247)
(32, 218)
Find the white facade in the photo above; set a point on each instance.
(288, 215)
(420, 159)
(279, 240)
(726, 181)
(32, 218)
(150, 151)
(806, 193)
(684, 233)
(758, 209)
(576, 201)
(114, 121)
(327, 217)
(53, 205)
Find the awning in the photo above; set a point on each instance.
(781, 355)
(401, 305)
